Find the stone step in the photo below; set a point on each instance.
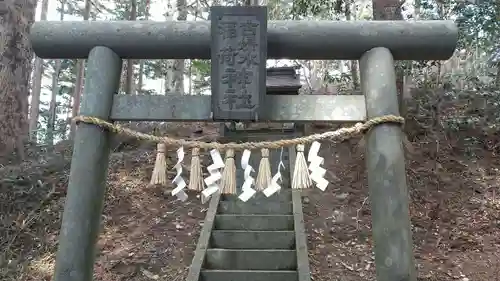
(253, 222)
(254, 207)
(251, 259)
(283, 195)
(249, 275)
(243, 239)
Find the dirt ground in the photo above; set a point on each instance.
(454, 213)
(147, 235)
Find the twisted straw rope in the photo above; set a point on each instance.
(340, 134)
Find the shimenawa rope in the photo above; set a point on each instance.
(340, 134)
(303, 174)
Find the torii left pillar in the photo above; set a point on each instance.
(89, 169)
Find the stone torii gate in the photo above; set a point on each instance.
(375, 44)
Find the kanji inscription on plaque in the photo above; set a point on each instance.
(238, 53)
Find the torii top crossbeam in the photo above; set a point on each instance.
(407, 40)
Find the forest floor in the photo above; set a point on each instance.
(148, 235)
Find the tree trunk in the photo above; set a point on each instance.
(387, 10)
(174, 76)
(15, 69)
(251, 2)
(53, 99)
(169, 64)
(129, 85)
(497, 79)
(353, 63)
(37, 85)
(77, 90)
(169, 77)
(190, 78)
(80, 72)
(391, 10)
(55, 91)
(179, 65)
(416, 12)
(140, 83)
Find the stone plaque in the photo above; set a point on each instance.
(239, 53)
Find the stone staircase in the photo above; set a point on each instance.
(262, 239)
(259, 240)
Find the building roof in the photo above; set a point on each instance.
(282, 79)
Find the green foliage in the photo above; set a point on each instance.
(280, 10)
(123, 8)
(202, 66)
(155, 69)
(63, 101)
(317, 8)
(77, 8)
(479, 24)
(478, 21)
(200, 74)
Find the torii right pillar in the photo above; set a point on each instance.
(385, 164)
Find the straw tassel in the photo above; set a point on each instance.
(228, 181)
(159, 175)
(264, 175)
(196, 176)
(301, 178)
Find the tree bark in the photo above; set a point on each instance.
(55, 91)
(129, 85)
(169, 64)
(391, 10)
(179, 65)
(15, 69)
(353, 63)
(497, 79)
(140, 82)
(37, 85)
(80, 73)
(53, 110)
